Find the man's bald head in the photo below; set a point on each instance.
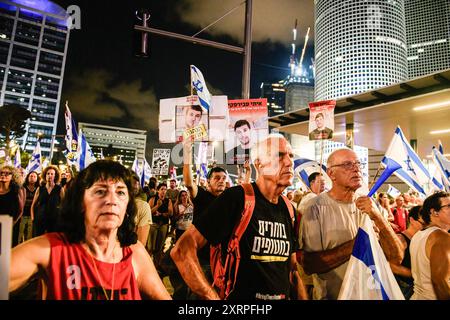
(344, 169)
(336, 155)
(272, 158)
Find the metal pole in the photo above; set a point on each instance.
(247, 50)
(203, 42)
(51, 147)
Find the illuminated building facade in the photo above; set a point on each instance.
(122, 143)
(428, 36)
(33, 46)
(359, 46)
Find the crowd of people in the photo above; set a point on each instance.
(101, 236)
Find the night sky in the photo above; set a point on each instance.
(106, 84)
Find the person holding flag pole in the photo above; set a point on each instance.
(330, 224)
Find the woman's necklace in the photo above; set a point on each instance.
(100, 279)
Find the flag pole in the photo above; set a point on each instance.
(190, 77)
(375, 177)
(321, 157)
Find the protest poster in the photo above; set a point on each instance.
(248, 124)
(160, 161)
(180, 118)
(5, 254)
(321, 120)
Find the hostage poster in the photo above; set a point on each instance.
(321, 120)
(248, 124)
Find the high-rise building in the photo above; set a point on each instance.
(428, 36)
(276, 96)
(360, 45)
(33, 46)
(299, 92)
(122, 143)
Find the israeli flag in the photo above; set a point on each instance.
(401, 160)
(85, 156)
(393, 192)
(368, 275)
(17, 159)
(440, 147)
(35, 161)
(443, 167)
(45, 163)
(198, 82)
(71, 138)
(304, 167)
(146, 173)
(204, 171)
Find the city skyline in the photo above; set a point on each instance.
(106, 84)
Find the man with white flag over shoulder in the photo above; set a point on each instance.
(330, 224)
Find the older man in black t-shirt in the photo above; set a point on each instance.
(267, 246)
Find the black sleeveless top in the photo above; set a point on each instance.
(164, 208)
(28, 201)
(406, 260)
(48, 204)
(9, 203)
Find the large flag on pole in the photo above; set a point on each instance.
(85, 156)
(71, 138)
(146, 173)
(17, 159)
(35, 161)
(135, 166)
(198, 82)
(368, 275)
(304, 167)
(401, 160)
(443, 167)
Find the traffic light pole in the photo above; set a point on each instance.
(246, 51)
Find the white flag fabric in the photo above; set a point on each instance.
(17, 159)
(393, 192)
(305, 167)
(35, 161)
(368, 275)
(146, 173)
(135, 167)
(45, 163)
(198, 82)
(443, 167)
(85, 156)
(401, 160)
(71, 138)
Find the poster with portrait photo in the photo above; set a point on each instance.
(321, 120)
(191, 121)
(248, 124)
(172, 119)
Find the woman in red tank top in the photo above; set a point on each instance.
(96, 255)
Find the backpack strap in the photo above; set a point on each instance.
(249, 206)
(234, 257)
(290, 208)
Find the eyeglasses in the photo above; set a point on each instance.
(445, 206)
(349, 165)
(5, 173)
